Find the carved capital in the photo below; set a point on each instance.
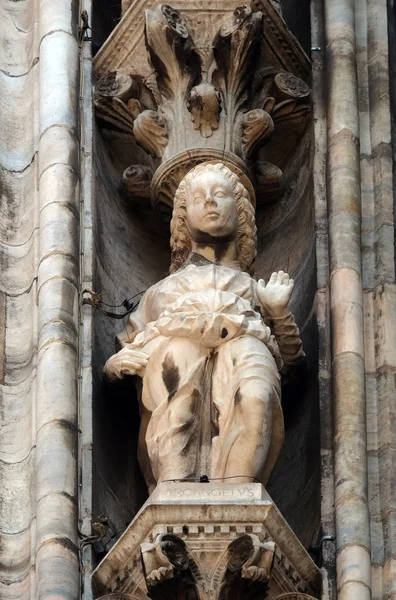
(213, 86)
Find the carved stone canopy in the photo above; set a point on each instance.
(214, 82)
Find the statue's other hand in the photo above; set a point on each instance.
(274, 297)
(127, 361)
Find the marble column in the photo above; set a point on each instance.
(346, 294)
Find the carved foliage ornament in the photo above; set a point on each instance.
(210, 93)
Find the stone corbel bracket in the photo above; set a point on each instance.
(181, 542)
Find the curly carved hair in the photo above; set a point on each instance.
(246, 241)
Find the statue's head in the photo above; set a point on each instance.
(212, 206)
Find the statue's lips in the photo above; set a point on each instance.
(212, 214)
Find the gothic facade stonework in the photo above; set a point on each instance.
(108, 491)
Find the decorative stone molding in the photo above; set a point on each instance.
(206, 83)
(216, 541)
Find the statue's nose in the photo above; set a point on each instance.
(210, 200)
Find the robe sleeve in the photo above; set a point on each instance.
(137, 321)
(287, 336)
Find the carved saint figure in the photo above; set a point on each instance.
(209, 341)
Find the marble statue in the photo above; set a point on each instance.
(208, 343)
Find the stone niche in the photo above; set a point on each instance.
(154, 122)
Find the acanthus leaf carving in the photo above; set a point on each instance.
(217, 75)
(204, 106)
(171, 51)
(150, 132)
(116, 102)
(117, 114)
(236, 49)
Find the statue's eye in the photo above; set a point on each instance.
(197, 198)
(219, 194)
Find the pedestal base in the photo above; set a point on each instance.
(209, 542)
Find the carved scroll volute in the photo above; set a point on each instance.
(269, 182)
(257, 128)
(136, 181)
(236, 49)
(150, 132)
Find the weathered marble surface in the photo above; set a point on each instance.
(361, 271)
(209, 326)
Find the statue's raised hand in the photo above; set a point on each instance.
(274, 297)
(127, 361)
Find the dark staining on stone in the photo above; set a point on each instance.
(224, 333)
(192, 426)
(238, 396)
(220, 244)
(170, 375)
(220, 250)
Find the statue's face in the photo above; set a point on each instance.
(211, 208)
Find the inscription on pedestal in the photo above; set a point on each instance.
(223, 492)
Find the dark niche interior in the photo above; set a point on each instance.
(131, 246)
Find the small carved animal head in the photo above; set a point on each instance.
(246, 240)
